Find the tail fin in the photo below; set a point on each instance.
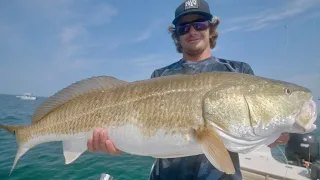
(14, 129)
(10, 128)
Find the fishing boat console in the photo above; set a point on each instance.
(303, 161)
(303, 150)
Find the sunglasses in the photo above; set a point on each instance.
(183, 29)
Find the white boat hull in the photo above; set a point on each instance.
(27, 97)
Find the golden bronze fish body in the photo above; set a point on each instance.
(171, 116)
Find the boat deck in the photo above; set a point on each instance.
(247, 175)
(261, 165)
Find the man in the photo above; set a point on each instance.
(194, 35)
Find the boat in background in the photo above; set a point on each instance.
(27, 96)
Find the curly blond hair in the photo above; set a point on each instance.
(213, 25)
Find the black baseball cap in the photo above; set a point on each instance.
(200, 7)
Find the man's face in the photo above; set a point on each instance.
(195, 41)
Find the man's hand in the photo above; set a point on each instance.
(283, 139)
(100, 142)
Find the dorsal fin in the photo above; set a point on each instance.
(74, 90)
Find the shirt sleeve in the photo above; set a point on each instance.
(246, 68)
(155, 74)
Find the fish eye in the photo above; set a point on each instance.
(287, 91)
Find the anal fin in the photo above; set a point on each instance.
(73, 148)
(215, 150)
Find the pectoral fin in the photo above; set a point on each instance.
(215, 150)
(72, 149)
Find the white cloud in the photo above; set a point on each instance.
(143, 66)
(60, 40)
(70, 33)
(101, 14)
(146, 34)
(270, 17)
(150, 61)
(75, 33)
(89, 13)
(55, 34)
(234, 28)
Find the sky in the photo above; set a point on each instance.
(46, 45)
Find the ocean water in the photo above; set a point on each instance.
(46, 161)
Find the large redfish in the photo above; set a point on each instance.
(172, 116)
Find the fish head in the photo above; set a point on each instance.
(279, 106)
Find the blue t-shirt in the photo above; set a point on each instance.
(196, 167)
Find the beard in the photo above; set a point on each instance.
(195, 51)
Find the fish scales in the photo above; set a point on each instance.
(75, 111)
(136, 94)
(110, 107)
(172, 116)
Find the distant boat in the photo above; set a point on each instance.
(27, 96)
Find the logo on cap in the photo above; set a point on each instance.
(188, 4)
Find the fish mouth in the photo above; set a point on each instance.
(306, 117)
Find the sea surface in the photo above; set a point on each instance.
(46, 161)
